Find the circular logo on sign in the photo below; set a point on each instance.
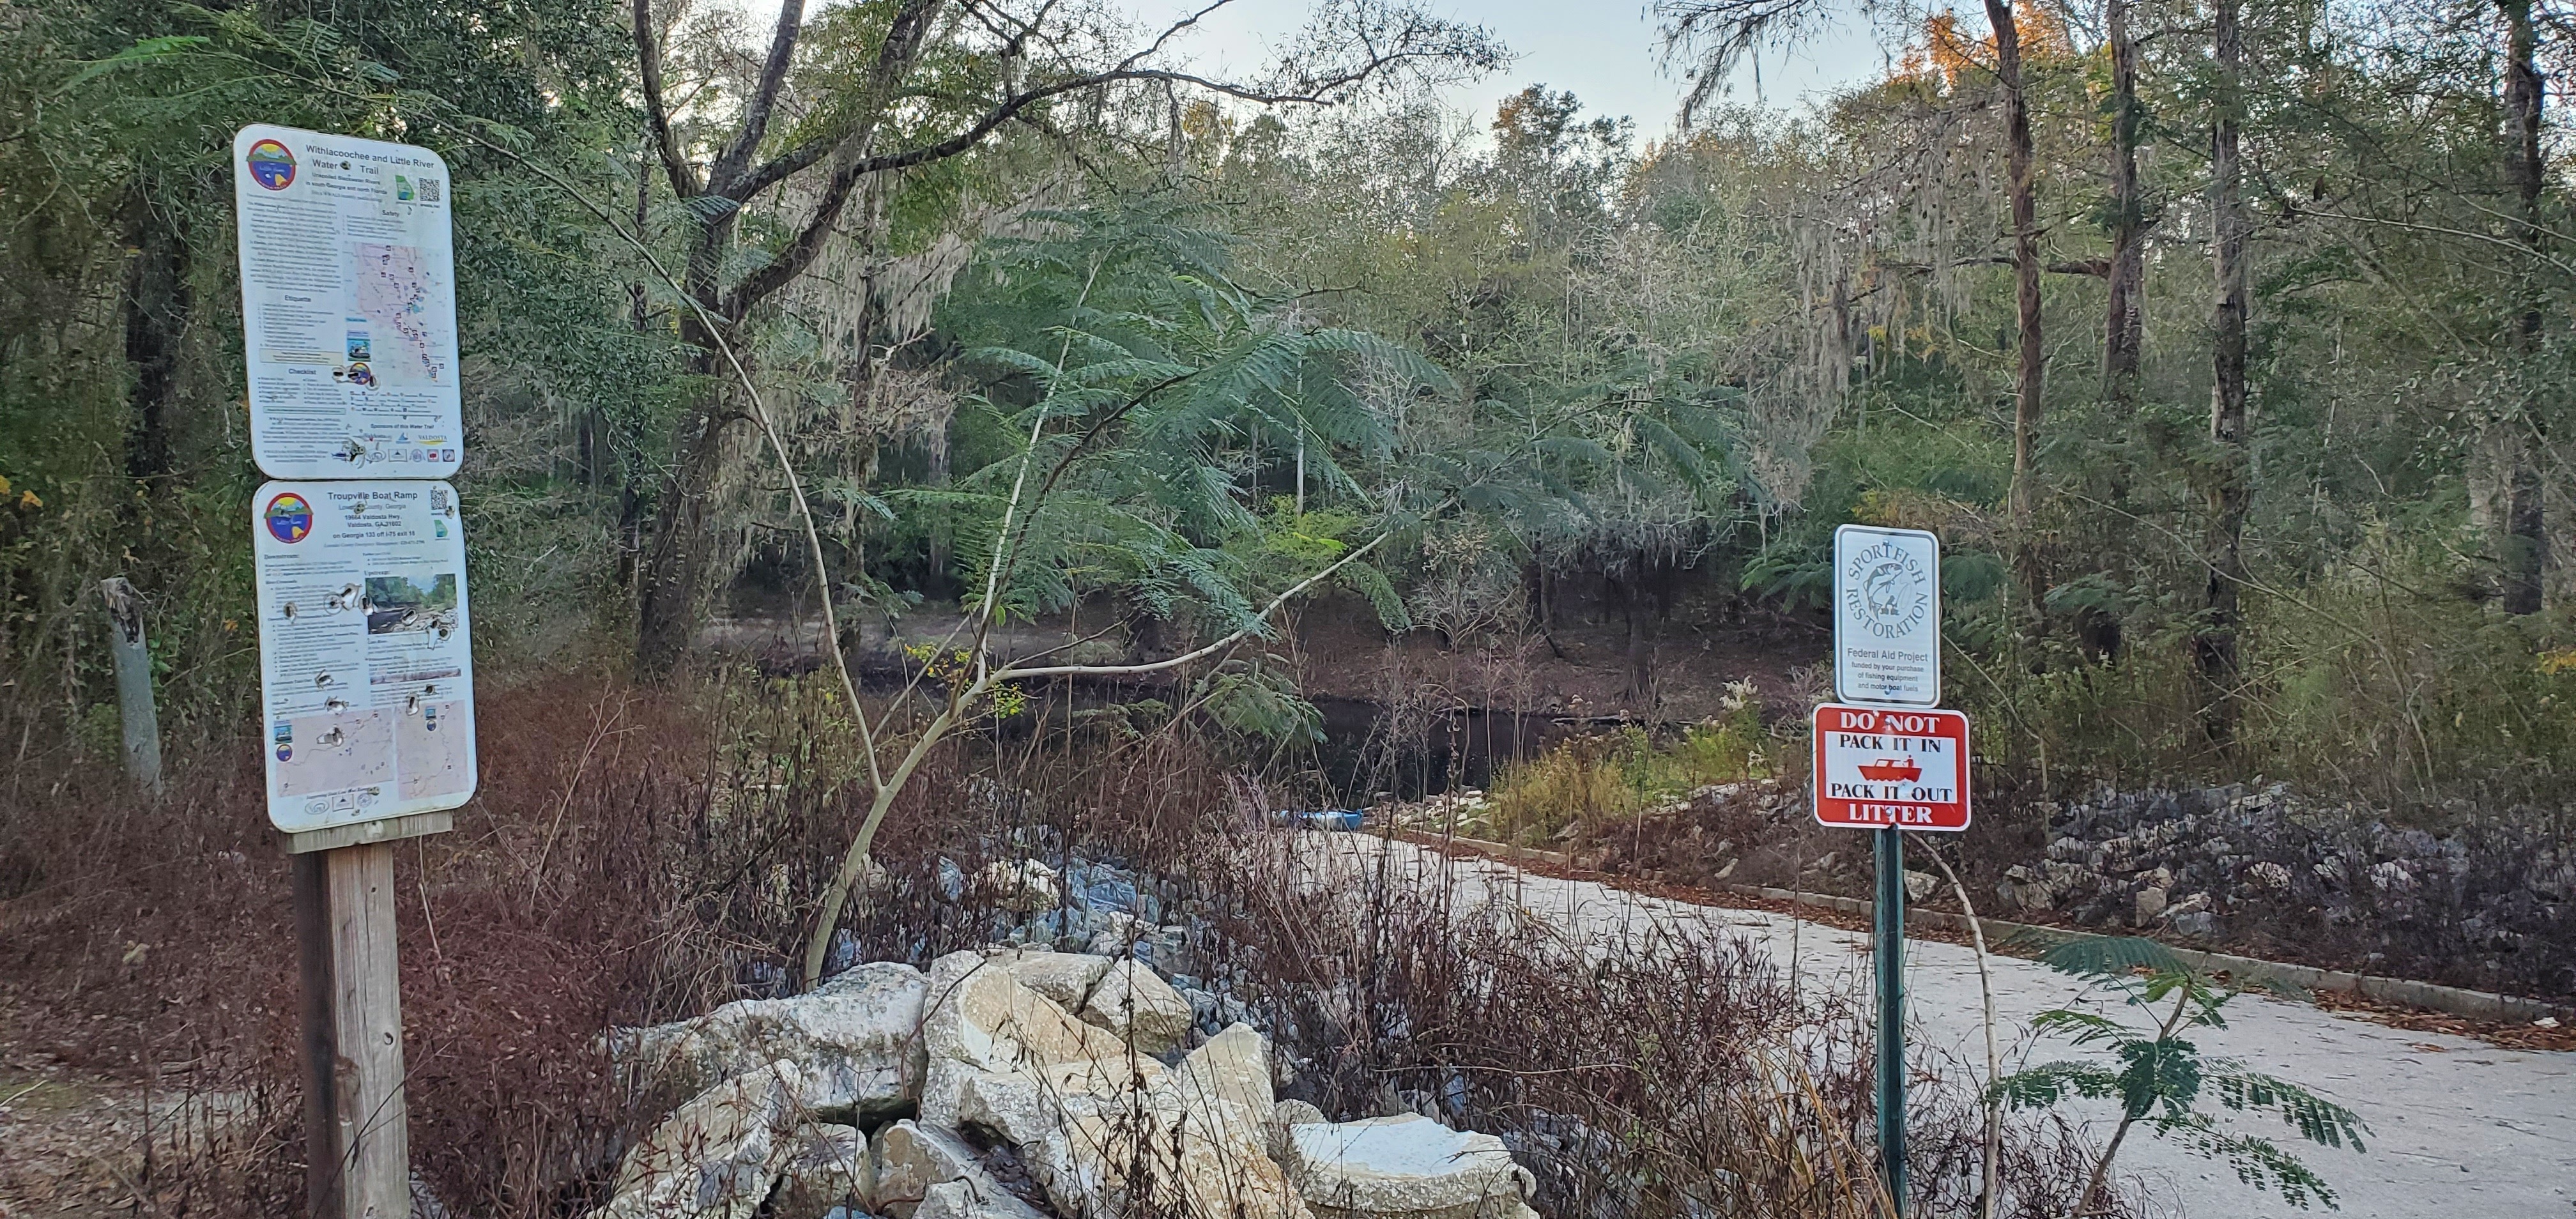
(1887, 592)
(271, 165)
(289, 517)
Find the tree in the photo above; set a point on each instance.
(2230, 490)
(2524, 540)
(2124, 306)
(2032, 370)
(912, 83)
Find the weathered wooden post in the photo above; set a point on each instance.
(133, 682)
(370, 1124)
(357, 1138)
(312, 890)
(366, 665)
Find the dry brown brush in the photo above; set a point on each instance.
(1678, 1075)
(635, 858)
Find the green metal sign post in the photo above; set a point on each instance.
(1889, 758)
(1889, 940)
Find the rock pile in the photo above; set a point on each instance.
(1007, 1083)
(2465, 896)
(2487, 903)
(1466, 811)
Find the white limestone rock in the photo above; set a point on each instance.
(977, 1197)
(983, 1021)
(1027, 886)
(911, 1158)
(927, 1173)
(1193, 1142)
(718, 1156)
(978, 1014)
(943, 1091)
(1135, 1003)
(1065, 977)
(1118, 932)
(1406, 1166)
(857, 1035)
(831, 1166)
(1222, 1092)
(1026, 1108)
(1288, 1115)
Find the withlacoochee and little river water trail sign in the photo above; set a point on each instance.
(349, 339)
(348, 305)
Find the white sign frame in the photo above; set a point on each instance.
(348, 275)
(361, 662)
(1887, 616)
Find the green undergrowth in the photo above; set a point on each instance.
(1622, 773)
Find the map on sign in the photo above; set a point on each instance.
(1887, 616)
(366, 666)
(348, 305)
(1882, 766)
(411, 338)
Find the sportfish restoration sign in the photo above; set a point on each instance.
(1887, 616)
(1882, 767)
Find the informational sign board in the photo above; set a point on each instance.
(348, 305)
(1878, 767)
(1887, 616)
(366, 673)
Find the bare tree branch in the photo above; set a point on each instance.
(1710, 39)
(1166, 36)
(809, 241)
(648, 54)
(783, 166)
(764, 99)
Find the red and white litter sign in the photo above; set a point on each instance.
(1883, 766)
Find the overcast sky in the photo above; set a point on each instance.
(1603, 52)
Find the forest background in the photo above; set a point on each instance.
(2226, 344)
(1120, 412)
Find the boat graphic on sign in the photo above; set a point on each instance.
(1889, 770)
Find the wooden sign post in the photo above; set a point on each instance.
(356, 1128)
(366, 663)
(134, 703)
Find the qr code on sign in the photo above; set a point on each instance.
(429, 190)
